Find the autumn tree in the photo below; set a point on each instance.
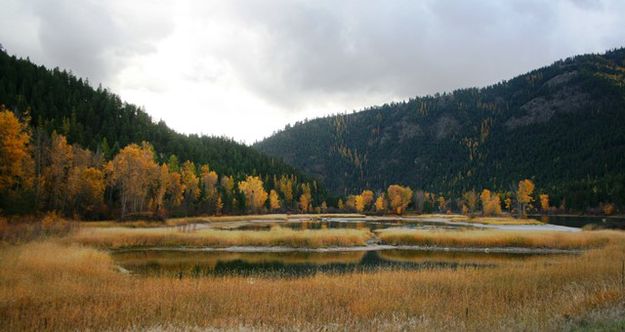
(324, 207)
(255, 194)
(191, 184)
(208, 180)
(491, 204)
(160, 190)
(56, 172)
(16, 164)
(544, 202)
(380, 204)
(85, 189)
(305, 199)
(508, 202)
(359, 203)
(285, 186)
(175, 190)
(470, 200)
(132, 172)
(274, 200)
(524, 195)
(340, 205)
(399, 198)
(367, 197)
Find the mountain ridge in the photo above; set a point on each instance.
(543, 125)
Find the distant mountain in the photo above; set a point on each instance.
(99, 120)
(561, 125)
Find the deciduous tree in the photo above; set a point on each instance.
(14, 154)
(524, 195)
(274, 200)
(255, 194)
(399, 198)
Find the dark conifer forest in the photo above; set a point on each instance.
(561, 125)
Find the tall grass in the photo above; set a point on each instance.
(51, 286)
(494, 238)
(169, 237)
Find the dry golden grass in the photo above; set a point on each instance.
(463, 257)
(171, 237)
(51, 286)
(494, 238)
(213, 219)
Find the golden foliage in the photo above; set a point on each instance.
(380, 204)
(274, 200)
(190, 181)
(285, 186)
(305, 199)
(133, 171)
(367, 196)
(359, 203)
(14, 154)
(491, 204)
(524, 194)
(85, 187)
(255, 194)
(399, 198)
(469, 200)
(544, 202)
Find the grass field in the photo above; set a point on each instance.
(51, 285)
(119, 237)
(494, 238)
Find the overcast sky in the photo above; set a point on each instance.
(244, 69)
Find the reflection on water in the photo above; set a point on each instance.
(581, 221)
(294, 264)
(350, 224)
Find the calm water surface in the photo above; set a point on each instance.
(177, 263)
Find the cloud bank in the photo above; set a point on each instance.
(246, 68)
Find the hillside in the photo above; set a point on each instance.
(561, 125)
(99, 120)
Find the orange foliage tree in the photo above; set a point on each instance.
(399, 198)
(255, 194)
(14, 154)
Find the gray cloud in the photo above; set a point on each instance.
(94, 39)
(288, 57)
(311, 50)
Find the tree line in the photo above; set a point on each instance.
(40, 172)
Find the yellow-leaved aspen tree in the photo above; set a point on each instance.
(274, 200)
(524, 195)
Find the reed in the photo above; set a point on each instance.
(118, 237)
(494, 238)
(54, 286)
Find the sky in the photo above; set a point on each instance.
(245, 69)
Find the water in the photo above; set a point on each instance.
(581, 221)
(346, 223)
(184, 264)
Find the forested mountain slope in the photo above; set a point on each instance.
(97, 119)
(561, 125)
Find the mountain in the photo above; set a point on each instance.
(97, 119)
(561, 125)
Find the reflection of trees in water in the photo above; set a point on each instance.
(289, 264)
